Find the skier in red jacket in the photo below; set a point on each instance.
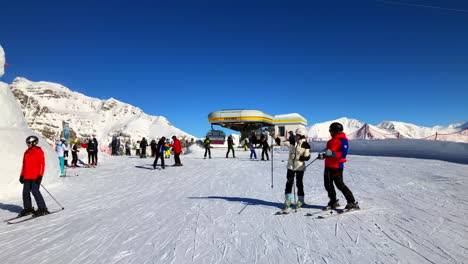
(335, 157)
(31, 177)
(177, 150)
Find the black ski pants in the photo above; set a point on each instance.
(290, 181)
(335, 175)
(229, 149)
(31, 186)
(74, 158)
(265, 152)
(91, 158)
(208, 150)
(159, 155)
(177, 158)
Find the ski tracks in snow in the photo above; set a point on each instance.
(221, 211)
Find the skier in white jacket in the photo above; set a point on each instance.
(298, 154)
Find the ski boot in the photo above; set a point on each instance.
(300, 202)
(332, 205)
(41, 212)
(26, 211)
(287, 204)
(352, 206)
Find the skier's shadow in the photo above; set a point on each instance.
(143, 167)
(11, 207)
(252, 201)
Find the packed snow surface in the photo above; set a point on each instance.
(222, 211)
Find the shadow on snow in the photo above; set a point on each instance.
(252, 201)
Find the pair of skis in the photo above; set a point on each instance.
(21, 219)
(325, 213)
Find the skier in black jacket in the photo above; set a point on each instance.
(90, 150)
(143, 145)
(95, 150)
(160, 149)
(265, 148)
(230, 147)
(153, 148)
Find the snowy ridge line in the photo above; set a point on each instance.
(397, 135)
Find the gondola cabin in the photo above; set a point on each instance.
(217, 137)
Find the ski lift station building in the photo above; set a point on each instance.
(244, 120)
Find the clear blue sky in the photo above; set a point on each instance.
(364, 59)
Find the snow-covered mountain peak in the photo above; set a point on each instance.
(45, 105)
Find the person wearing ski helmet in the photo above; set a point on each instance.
(335, 157)
(31, 175)
(298, 154)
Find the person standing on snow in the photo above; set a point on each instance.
(143, 145)
(31, 177)
(335, 157)
(90, 149)
(265, 148)
(66, 149)
(230, 147)
(292, 138)
(298, 153)
(75, 153)
(207, 143)
(95, 150)
(252, 150)
(153, 146)
(127, 148)
(159, 152)
(177, 147)
(59, 150)
(168, 149)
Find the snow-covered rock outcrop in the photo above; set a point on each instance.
(46, 105)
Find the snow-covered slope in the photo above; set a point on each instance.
(412, 131)
(356, 129)
(320, 130)
(46, 105)
(222, 211)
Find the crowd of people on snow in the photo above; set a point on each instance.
(334, 154)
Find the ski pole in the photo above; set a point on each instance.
(295, 201)
(311, 162)
(52, 197)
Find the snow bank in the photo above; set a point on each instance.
(2, 61)
(13, 132)
(408, 148)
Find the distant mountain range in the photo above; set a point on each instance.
(356, 129)
(45, 105)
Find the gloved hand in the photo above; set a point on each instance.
(321, 156)
(329, 153)
(21, 179)
(39, 179)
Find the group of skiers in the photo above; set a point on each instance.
(62, 148)
(334, 155)
(162, 147)
(248, 144)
